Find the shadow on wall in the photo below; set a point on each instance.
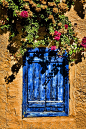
(15, 68)
(14, 46)
(19, 62)
(79, 9)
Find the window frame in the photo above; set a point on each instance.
(25, 112)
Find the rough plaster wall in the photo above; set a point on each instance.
(11, 94)
(80, 95)
(79, 81)
(80, 28)
(3, 94)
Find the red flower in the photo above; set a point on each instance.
(53, 47)
(57, 38)
(83, 42)
(66, 26)
(57, 33)
(24, 14)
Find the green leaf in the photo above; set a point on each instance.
(74, 51)
(7, 19)
(70, 52)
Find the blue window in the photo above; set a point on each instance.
(45, 83)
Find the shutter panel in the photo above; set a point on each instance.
(54, 87)
(36, 89)
(45, 83)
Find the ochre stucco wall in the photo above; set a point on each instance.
(11, 95)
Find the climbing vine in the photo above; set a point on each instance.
(42, 22)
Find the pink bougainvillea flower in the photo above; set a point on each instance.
(24, 14)
(53, 48)
(57, 38)
(83, 42)
(57, 33)
(66, 26)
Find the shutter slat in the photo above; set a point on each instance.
(36, 81)
(54, 104)
(37, 104)
(48, 82)
(51, 83)
(30, 82)
(42, 84)
(54, 83)
(60, 85)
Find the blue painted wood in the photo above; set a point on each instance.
(42, 84)
(66, 76)
(48, 82)
(54, 84)
(45, 83)
(36, 82)
(60, 84)
(30, 82)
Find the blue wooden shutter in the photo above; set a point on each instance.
(45, 83)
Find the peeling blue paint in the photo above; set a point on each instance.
(45, 83)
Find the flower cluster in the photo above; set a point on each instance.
(57, 35)
(53, 48)
(83, 44)
(66, 26)
(73, 46)
(24, 14)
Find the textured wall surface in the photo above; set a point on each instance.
(11, 93)
(80, 26)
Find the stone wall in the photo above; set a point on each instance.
(11, 92)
